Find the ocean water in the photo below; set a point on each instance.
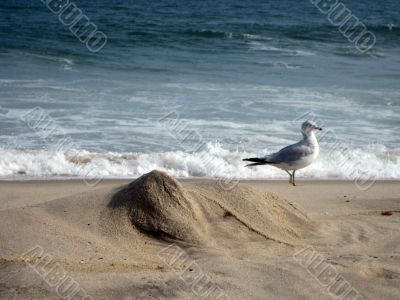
(191, 87)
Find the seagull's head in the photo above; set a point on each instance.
(307, 127)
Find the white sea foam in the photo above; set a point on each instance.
(283, 64)
(256, 37)
(64, 60)
(213, 162)
(257, 46)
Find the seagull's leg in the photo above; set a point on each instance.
(294, 172)
(290, 176)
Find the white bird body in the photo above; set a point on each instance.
(293, 157)
(309, 142)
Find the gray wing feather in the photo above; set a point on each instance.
(291, 153)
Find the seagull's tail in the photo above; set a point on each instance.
(257, 161)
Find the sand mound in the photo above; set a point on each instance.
(158, 205)
(264, 213)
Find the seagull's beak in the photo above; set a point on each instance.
(318, 128)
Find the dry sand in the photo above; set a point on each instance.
(157, 238)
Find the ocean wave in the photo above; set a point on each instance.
(63, 60)
(283, 64)
(211, 33)
(257, 46)
(214, 162)
(256, 37)
(350, 51)
(323, 32)
(388, 28)
(21, 81)
(208, 33)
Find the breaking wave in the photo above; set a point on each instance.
(213, 162)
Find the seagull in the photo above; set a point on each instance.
(293, 157)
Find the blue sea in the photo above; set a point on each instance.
(191, 87)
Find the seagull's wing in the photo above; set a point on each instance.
(291, 153)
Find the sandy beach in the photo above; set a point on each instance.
(167, 103)
(158, 238)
